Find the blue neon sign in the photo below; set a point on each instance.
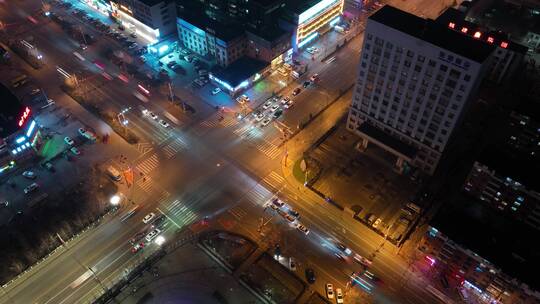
(31, 128)
(221, 82)
(20, 139)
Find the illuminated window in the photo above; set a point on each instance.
(477, 35)
(464, 30)
(490, 40)
(504, 44)
(451, 25)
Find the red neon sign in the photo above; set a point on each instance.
(504, 44)
(464, 30)
(24, 116)
(451, 25)
(490, 40)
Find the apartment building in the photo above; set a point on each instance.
(415, 80)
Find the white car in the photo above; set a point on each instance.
(288, 104)
(339, 296)
(302, 228)
(292, 264)
(285, 100)
(314, 77)
(377, 223)
(265, 122)
(216, 91)
(69, 141)
(29, 174)
(150, 216)
(274, 108)
(75, 151)
(152, 235)
(163, 123)
(267, 105)
(259, 116)
(30, 188)
(329, 291)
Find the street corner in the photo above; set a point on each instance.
(231, 248)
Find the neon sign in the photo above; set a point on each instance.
(24, 116)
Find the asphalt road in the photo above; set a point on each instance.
(207, 173)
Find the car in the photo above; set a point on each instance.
(87, 134)
(292, 264)
(274, 107)
(29, 174)
(339, 256)
(175, 66)
(339, 296)
(302, 228)
(310, 275)
(278, 202)
(282, 213)
(289, 104)
(285, 100)
(306, 84)
(171, 63)
(137, 247)
(265, 122)
(83, 46)
(49, 166)
(69, 141)
(30, 188)
(289, 218)
(274, 207)
(377, 223)
(277, 114)
(294, 213)
(149, 217)
(343, 248)
(75, 151)
(133, 35)
(163, 123)
(361, 260)
(216, 91)
(152, 235)
(259, 116)
(267, 105)
(296, 91)
(152, 115)
(314, 77)
(329, 290)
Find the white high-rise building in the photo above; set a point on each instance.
(416, 79)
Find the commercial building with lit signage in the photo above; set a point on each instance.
(152, 20)
(19, 133)
(307, 18)
(240, 75)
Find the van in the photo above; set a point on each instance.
(113, 173)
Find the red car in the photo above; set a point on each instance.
(296, 91)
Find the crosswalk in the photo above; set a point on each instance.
(172, 148)
(215, 121)
(181, 214)
(237, 212)
(274, 180)
(268, 149)
(258, 195)
(149, 164)
(144, 184)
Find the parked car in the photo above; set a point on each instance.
(329, 291)
(30, 188)
(29, 174)
(163, 123)
(314, 77)
(302, 228)
(306, 84)
(152, 235)
(75, 151)
(339, 296)
(69, 141)
(296, 91)
(310, 275)
(265, 122)
(216, 91)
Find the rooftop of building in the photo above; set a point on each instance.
(433, 32)
(240, 70)
(10, 110)
(267, 3)
(225, 32)
(507, 243)
(268, 33)
(457, 18)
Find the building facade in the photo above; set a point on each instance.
(478, 278)
(416, 79)
(150, 19)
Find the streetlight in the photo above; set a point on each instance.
(115, 200)
(160, 240)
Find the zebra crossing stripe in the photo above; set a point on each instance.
(145, 185)
(148, 164)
